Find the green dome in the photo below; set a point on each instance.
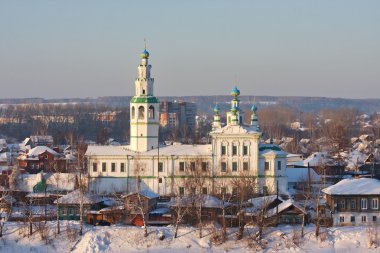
(235, 92)
(144, 54)
(254, 108)
(216, 108)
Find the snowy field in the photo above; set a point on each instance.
(130, 239)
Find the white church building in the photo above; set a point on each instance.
(236, 152)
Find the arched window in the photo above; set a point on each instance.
(133, 112)
(141, 112)
(151, 112)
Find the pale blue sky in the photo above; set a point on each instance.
(75, 48)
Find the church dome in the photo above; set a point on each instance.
(216, 108)
(235, 92)
(144, 54)
(254, 108)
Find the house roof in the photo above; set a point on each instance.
(283, 206)
(361, 186)
(146, 193)
(40, 150)
(177, 149)
(75, 198)
(208, 201)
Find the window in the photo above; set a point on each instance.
(181, 166)
(113, 167)
(374, 218)
(265, 190)
(266, 166)
(204, 190)
(160, 167)
(352, 218)
(192, 166)
(279, 165)
(71, 211)
(160, 180)
(223, 191)
(342, 204)
(133, 112)
(122, 167)
(364, 218)
(223, 150)
(245, 166)
(204, 166)
(234, 150)
(245, 150)
(375, 203)
(341, 218)
(353, 204)
(141, 112)
(104, 167)
(234, 166)
(151, 112)
(181, 191)
(95, 167)
(363, 203)
(64, 211)
(223, 166)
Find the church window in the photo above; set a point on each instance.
(143, 91)
(122, 167)
(113, 167)
(266, 165)
(104, 167)
(234, 166)
(192, 166)
(141, 112)
(160, 180)
(181, 166)
(204, 166)
(279, 165)
(151, 112)
(204, 190)
(245, 166)
(95, 167)
(223, 150)
(234, 150)
(160, 167)
(223, 166)
(133, 112)
(245, 150)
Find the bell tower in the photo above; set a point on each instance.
(144, 110)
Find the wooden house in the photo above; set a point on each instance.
(354, 201)
(137, 203)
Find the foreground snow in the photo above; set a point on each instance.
(130, 239)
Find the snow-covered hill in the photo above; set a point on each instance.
(130, 239)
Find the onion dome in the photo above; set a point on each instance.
(144, 54)
(235, 92)
(216, 108)
(254, 108)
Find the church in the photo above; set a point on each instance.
(236, 153)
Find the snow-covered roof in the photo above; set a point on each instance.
(236, 129)
(40, 150)
(164, 150)
(301, 174)
(208, 201)
(283, 206)
(75, 198)
(42, 138)
(146, 193)
(361, 186)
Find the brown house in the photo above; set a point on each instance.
(137, 204)
(42, 158)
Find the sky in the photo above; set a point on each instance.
(80, 49)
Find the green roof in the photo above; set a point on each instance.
(272, 147)
(152, 100)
